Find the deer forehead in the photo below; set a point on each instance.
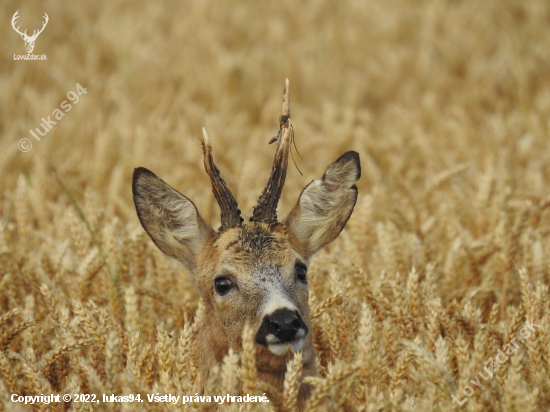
(254, 255)
(249, 243)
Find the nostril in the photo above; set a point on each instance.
(283, 325)
(272, 327)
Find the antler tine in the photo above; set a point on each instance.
(286, 100)
(231, 215)
(15, 17)
(266, 209)
(45, 23)
(35, 34)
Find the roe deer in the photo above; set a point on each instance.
(255, 272)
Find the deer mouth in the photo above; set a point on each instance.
(282, 332)
(279, 348)
(282, 348)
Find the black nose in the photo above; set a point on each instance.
(283, 324)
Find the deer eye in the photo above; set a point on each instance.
(222, 285)
(301, 271)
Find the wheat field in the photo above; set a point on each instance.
(442, 270)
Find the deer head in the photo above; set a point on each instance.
(28, 40)
(257, 272)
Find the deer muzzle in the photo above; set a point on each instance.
(282, 331)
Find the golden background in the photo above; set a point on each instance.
(447, 103)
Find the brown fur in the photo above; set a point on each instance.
(256, 257)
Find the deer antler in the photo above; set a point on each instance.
(231, 215)
(266, 209)
(15, 17)
(35, 35)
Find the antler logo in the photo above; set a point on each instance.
(29, 40)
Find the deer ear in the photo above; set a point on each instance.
(169, 218)
(325, 206)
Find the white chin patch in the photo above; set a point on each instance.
(285, 347)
